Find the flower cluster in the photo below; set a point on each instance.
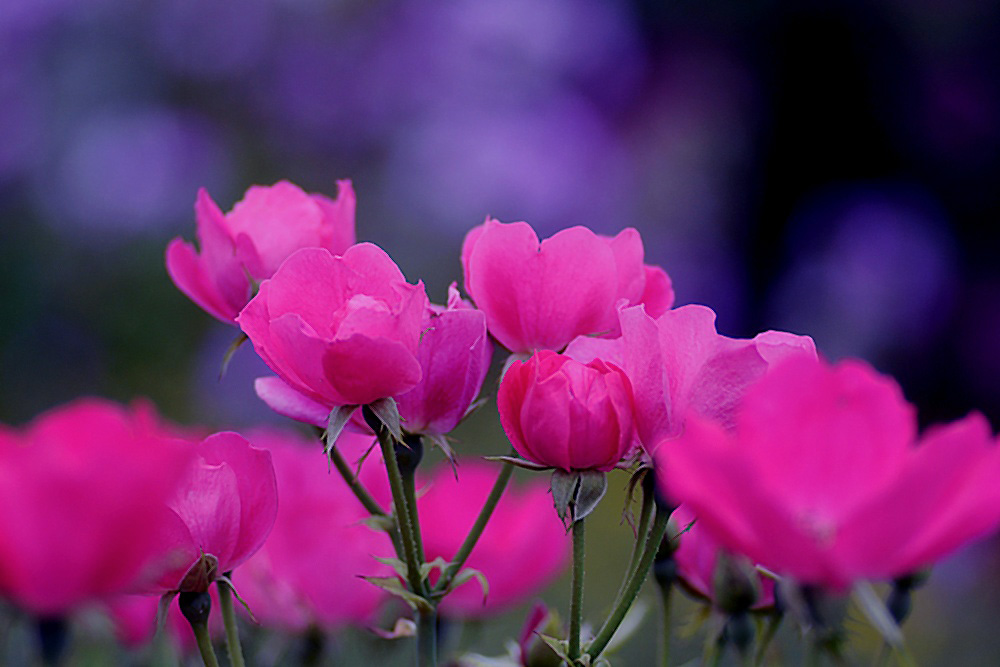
(781, 473)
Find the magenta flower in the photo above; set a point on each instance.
(822, 477)
(522, 549)
(82, 493)
(308, 572)
(677, 362)
(223, 511)
(250, 242)
(541, 295)
(340, 330)
(134, 618)
(562, 413)
(454, 357)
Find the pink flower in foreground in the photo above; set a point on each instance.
(697, 559)
(251, 241)
(339, 330)
(222, 512)
(677, 363)
(523, 547)
(309, 570)
(823, 478)
(541, 295)
(82, 492)
(559, 412)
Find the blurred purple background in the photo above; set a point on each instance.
(828, 168)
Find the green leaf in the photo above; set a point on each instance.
(230, 351)
(438, 563)
(339, 416)
(558, 646)
(394, 586)
(388, 413)
(467, 574)
(379, 524)
(398, 566)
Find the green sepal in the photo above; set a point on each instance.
(467, 574)
(874, 609)
(575, 494)
(227, 356)
(438, 563)
(519, 462)
(404, 628)
(388, 413)
(226, 579)
(380, 524)
(339, 416)
(559, 646)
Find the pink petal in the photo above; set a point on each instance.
(286, 401)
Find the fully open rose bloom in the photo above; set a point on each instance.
(82, 503)
(562, 413)
(823, 477)
(250, 242)
(339, 330)
(454, 356)
(541, 295)
(222, 511)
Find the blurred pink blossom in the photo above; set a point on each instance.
(823, 478)
(248, 244)
(82, 502)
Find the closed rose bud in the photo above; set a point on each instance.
(562, 413)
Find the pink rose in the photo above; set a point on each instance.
(339, 330)
(82, 493)
(562, 413)
(541, 295)
(223, 511)
(822, 477)
(252, 240)
(677, 362)
(454, 355)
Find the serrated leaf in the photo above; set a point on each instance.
(398, 566)
(227, 356)
(468, 574)
(339, 416)
(394, 586)
(558, 646)
(388, 413)
(519, 462)
(404, 627)
(875, 611)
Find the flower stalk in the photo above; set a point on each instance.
(229, 620)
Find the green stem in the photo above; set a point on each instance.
(366, 499)
(617, 615)
(576, 594)
(427, 638)
(229, 620)
(642, 531)
(204, 641)
(410, 493)
(665, 630)
(773, 621)
(477, 529)
(403, 515)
